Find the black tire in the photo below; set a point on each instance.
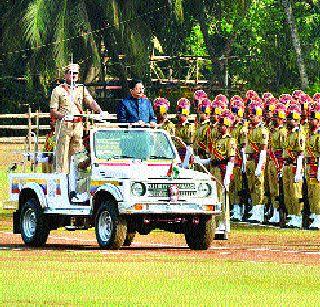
(200, 236)
(111, 229)
(33, 224)
(129, 238)
(221, 236)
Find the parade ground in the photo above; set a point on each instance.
(257, 266)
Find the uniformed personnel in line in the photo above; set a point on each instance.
(66, 101)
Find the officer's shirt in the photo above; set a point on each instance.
(313, 144)
(169, 127)
(68, 101)
(200, 135)
(185, 132)
(257, 136)
(278, 138)
(296, 141)
(224, 145)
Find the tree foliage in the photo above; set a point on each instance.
(38, 37)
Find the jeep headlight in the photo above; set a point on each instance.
(204, 189)
(138, 189)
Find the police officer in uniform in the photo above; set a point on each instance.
(184, 130)
(277, 145)
(257, 144)
(203, 124)
(292, 178)
(313, 166)
(161, 106)
(238, 132)
(67, 100)
(222, 161)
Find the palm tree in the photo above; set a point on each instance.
(296, 43)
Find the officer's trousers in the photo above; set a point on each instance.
(69, 141)
(292, 191)
(236, 186)
(255, 184)
(313, 188)
(219, 174)
(273, 183)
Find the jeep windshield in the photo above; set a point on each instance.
(132, 144)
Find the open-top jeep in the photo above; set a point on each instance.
(130, 180)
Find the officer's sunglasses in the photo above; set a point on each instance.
(73, 73)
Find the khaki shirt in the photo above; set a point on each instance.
(185, 132)
(70, 102)
(224, 147)
(169, 127)
(200, 136)
(256, 137)
(296, 142)
(313, 144)
(278, 138)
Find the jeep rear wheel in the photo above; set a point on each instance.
(111, 229)
(200, 236)
(33, 224)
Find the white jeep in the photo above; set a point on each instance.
(130, 181)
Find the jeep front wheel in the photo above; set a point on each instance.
(200, 235)
(33, 224)
(111, 229)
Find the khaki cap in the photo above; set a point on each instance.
(72, 67)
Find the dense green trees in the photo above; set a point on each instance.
(265, 44)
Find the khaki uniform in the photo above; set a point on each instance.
(223, 149)
(278, 141)
(185, 132)
(200, 139)
(312, 157)
(256, 138)
(169, 127)
(212, 134)
(239, 133)
(293, 190)
(69, 134)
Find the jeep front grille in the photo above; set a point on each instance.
(162, 189)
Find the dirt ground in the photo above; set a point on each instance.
(246, 243)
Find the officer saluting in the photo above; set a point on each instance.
(67, 100)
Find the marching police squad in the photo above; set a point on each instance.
(266, 150)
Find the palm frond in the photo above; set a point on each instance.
(35, 22)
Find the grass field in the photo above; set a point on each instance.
(68, 277)
(85, 275)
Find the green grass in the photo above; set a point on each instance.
(95, 278)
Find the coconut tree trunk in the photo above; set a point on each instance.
(296, 44)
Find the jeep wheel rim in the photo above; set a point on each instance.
(105, 226)
(29, 223)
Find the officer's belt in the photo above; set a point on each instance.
(74, 121)
(278, 153)
(253, 156)
(312, 160)
(289, 161)
(218, 162)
